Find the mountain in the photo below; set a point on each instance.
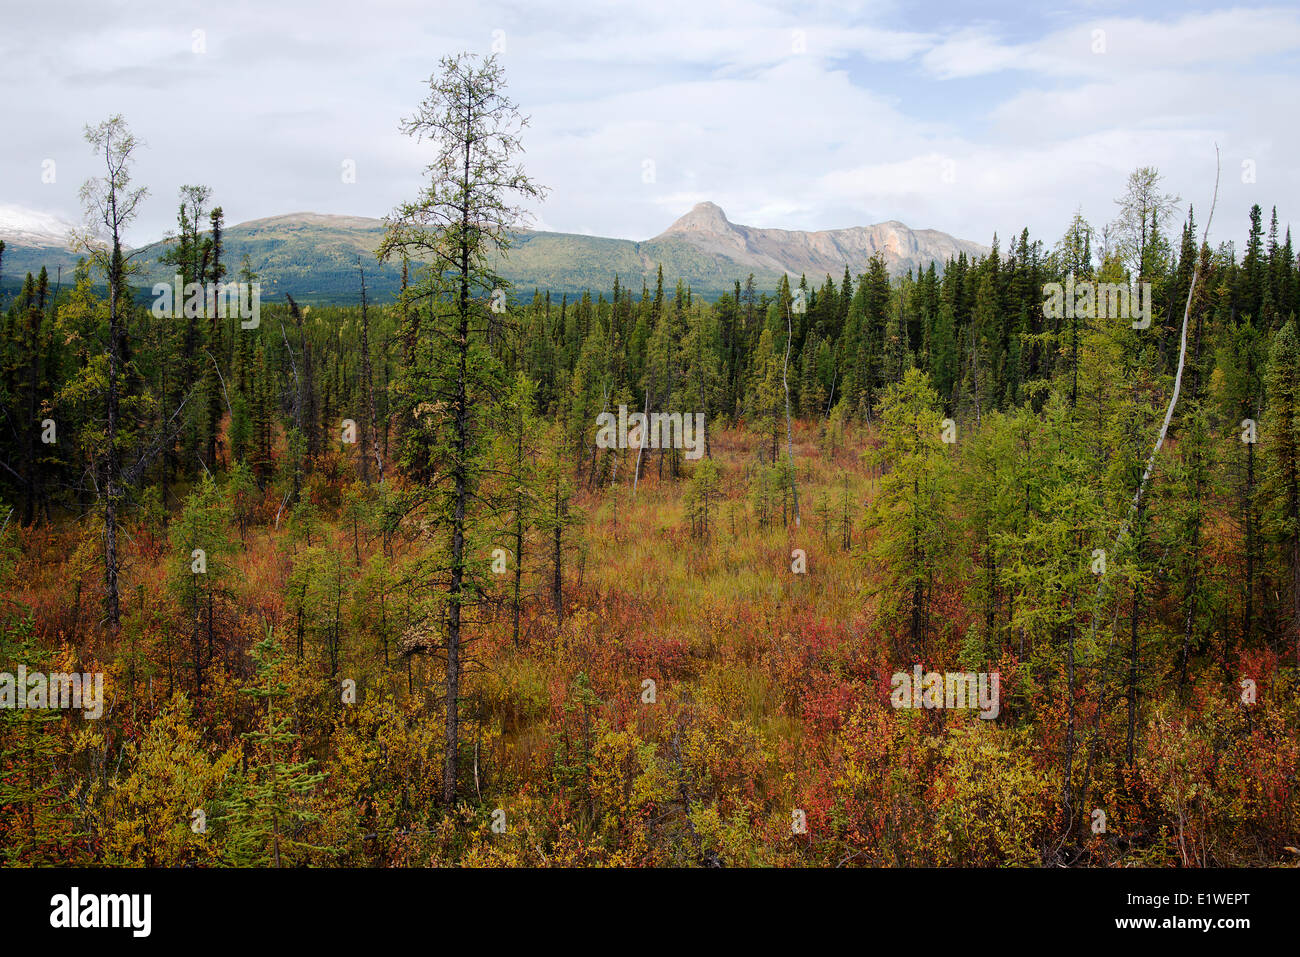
(33, 239)
(27, 227)
(815, 254)
(313, 256)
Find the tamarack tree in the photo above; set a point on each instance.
(455, 227)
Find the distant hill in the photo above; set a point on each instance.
(313, 256)
(32, 240)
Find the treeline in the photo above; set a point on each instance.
(206, 394)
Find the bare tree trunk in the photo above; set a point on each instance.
(636, 478)
(111, 466)
(1248, 614)
(1133, 658)
(1182, 358)
(557, 581)
(372, 424)
(461, 480)
(519, 526)
(789, 441)
(1173, 399)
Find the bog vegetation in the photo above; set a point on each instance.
(435, 623)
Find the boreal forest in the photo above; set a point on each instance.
(372, 585)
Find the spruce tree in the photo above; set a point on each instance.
(269, 813)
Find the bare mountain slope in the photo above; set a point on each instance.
(819, 253)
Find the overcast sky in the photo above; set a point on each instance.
(799, 115)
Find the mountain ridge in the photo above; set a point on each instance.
(800, 252)
(313, 256)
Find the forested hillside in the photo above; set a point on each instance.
(366, 589)
(313, 257)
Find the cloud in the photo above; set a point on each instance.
(805, 115)
(1122, 47)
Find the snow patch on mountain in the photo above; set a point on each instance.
(20, 226)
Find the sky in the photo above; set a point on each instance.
(971, 118)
